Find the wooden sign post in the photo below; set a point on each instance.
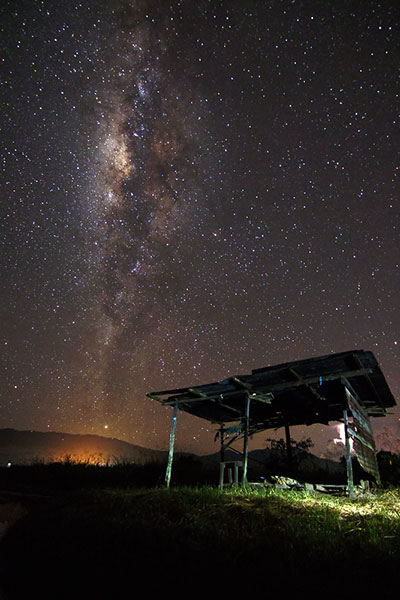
(171, 447)
(246, 440)
(349, 466)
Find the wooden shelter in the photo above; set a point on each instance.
(347, 387)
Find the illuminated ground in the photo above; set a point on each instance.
(101, 541)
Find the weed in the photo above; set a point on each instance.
(105, 528)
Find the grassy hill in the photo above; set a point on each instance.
(81, 530)
(27, 447)
(121, 543)
(24, 447)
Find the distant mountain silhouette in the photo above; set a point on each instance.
(307, 463)
(25, 447)
(22, 447)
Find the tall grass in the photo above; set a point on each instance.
(106, 538)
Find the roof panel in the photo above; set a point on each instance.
(297, 393)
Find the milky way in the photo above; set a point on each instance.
(146, 162)
(192, 190)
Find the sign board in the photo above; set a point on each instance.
(363, 440)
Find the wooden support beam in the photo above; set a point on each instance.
(246, 440)
(310, 380)
(222, 438)
(349, 466)
(171, 447)
(231, 441)
(300, 381)
(197, 396)
(265, 398)
(221, 475)
(294, 373)
(187, 400)
(241, 384)
(289, 449)
(231, 408)
(368, 379)
(197, 393)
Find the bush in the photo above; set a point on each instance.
(389, 467)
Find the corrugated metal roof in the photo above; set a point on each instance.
(295, 393)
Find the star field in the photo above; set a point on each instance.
(191, 190)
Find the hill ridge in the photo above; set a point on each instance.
(24, 446)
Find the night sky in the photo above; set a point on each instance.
(192, 190)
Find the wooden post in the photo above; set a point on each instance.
(222, 450)
(246, 440)
(221, 458)
(349, 466)
(288, 449)
(221, 475)
(230, 479)
(171, 447)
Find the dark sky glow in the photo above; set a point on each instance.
(191, 190)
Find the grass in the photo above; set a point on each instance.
(94, 542)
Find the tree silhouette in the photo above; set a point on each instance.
(280, 458)
(304, 445)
